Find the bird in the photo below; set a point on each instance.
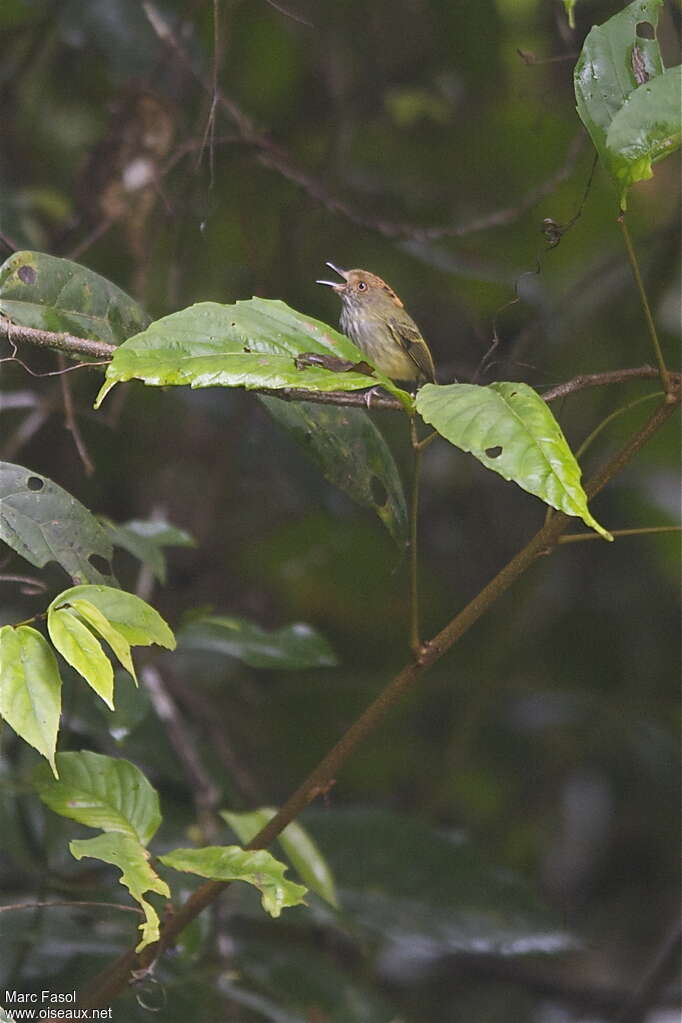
(374, 318)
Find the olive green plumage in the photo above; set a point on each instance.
(374, 318)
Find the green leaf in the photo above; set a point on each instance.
(130, 616)
(297, 845)
(83, 651)
(5, 1016)
(145, 540)
(97, 621)
(30, 688)
(510, 429)
(252, 343)
(291, 647)
(230, 863)
(646, 128)
(426, 894)
(37, 290)
(43, 523)
(352, 454)
(102, 792)
(614, 84)
(132, 859)
(569, 8)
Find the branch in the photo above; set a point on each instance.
(116, 977)
(101, 350)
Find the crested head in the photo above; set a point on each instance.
(361, 287)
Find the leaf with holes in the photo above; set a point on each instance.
(257, 343)
(351, 453)
(230, 863)
(43, 523)
(510, 429)
(101, 792)
(132, 859)
(297, 845)
(30, 689)
(37, 290)
(137, 622)
(291, 647)
(627, 101)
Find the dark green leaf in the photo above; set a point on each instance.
(297, 845)
(352, 454)
(292, 646)
(102, 792)
(30, 688)
(132, 859)
(230, 863)
(253, 343)
(145, 540)
(632, 118)
(37, 290)
(510, 429)
(43, 523)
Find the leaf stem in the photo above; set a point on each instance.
(632, 256)
(415, 641)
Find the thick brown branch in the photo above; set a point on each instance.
(61, 342)
(116, 978)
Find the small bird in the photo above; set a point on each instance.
(374, 318)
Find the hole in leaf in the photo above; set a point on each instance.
(645, 30)
(100, 564)
(27, 274)
(35, 483)
(494, 452)
(378, 491)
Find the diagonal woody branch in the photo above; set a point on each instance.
(113, 980)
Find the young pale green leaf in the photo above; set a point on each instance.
(297, 845)
(569, 8)
(230, 863)
(130, 616)
(43, 523)
(102, 792)
(632, 121)
(83, 651)
(352, 454)
(97, 621)
(510, 429)
(252, 344)
(145, 540)
(132, 859)
(37, 290)
(291, 647)
(30, 689)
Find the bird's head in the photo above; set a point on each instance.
(362, 289)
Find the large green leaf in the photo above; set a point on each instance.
(132, 859)
(426, 894)
(37, 290)
(43, 523)
(137, 622)
(352, 454)
(631, 115)
(510, 429)
(291, 647)
(83, 651)
(30, 688)
(254, 343)
(230, 863)
(297, 845)
(102, 792)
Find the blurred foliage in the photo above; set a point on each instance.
(546, 743)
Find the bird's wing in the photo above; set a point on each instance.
(409, 337)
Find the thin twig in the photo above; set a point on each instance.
(640, 531)
(70, 903)
(70, 418)
(415, 632)
(653, 334)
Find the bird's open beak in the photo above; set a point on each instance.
(335, 284)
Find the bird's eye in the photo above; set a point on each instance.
(362, 286)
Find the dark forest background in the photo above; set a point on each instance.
(426, 141)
